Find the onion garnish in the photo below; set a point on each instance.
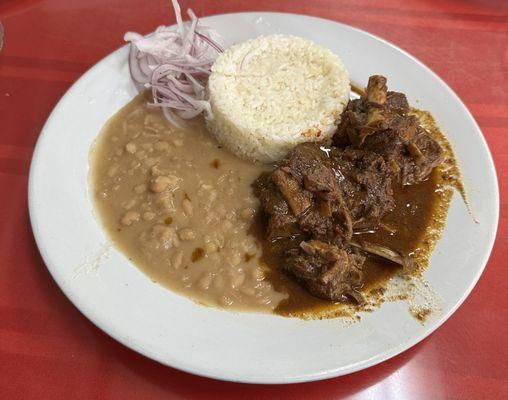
(175, 64)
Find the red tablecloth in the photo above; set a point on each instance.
(48, 350)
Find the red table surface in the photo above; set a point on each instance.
(48, 350)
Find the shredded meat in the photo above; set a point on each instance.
(314, 200)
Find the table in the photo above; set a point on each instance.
(48, 350)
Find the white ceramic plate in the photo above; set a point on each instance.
(166, 327)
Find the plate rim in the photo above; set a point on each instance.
(296, 378)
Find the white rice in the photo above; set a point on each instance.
(272, 92)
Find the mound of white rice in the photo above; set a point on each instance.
(272, 92)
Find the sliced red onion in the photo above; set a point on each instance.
(175, 64)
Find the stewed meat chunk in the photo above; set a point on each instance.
(327, 270)
(380, 122)
(302, 195)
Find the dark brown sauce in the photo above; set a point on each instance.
(412, 214)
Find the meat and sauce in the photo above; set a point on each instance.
(317, 200)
